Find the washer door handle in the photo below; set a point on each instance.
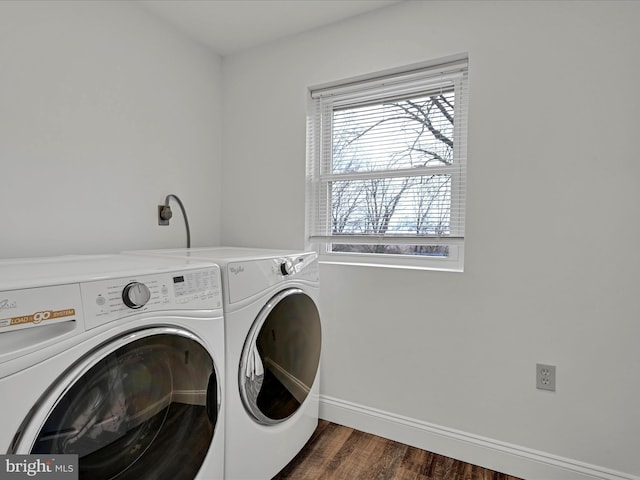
(212, 399)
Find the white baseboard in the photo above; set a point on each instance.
(296, 387)
(190, 397)
(499, 456)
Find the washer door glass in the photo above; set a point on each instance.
(281, 356)
(147, 409)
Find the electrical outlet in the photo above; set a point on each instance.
(162, 216)
(546, 377)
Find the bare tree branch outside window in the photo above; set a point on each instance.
(388, 137)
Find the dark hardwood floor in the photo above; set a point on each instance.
(335, 452)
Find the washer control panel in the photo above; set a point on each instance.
(108, 300)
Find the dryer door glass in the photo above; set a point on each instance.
(281, 356)
(146, 409)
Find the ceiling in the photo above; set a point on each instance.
(229, 26)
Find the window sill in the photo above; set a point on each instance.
(403, 263)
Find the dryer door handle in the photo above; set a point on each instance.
(212, 398)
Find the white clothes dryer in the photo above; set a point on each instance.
(273, 343)
(116, 359)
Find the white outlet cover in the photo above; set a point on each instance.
(546, 377)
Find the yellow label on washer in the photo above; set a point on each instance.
(38, 317)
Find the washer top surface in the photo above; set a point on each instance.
(40, 271)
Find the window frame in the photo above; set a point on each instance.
(323, 101)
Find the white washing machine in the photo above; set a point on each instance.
(116, 359)
(273, 341)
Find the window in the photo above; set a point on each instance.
(386, 162)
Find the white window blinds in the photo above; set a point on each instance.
(386, 164)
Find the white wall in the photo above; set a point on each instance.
(552, 256)
(103, 111)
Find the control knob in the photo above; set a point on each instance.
(136, 295)
(286, 267)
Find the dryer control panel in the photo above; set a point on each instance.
(250, 277)
(108, 300)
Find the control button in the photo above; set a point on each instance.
(136, 295)
(286, 267)
(100, 301)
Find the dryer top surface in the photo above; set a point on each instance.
(222, 255)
